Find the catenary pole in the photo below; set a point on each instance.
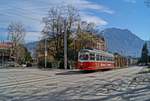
(45, 52)
(65, 44)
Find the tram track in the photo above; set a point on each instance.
(63, 79)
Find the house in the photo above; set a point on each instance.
(5, 51)
(93, 41)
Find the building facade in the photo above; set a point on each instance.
(5, 52)
(94, 42)
(120, 61)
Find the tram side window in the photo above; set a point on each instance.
(92, 56)
(84, 57)
(97, 57)
(110, 59)
(103, 58)
(106, 58)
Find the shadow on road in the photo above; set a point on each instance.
(74, 72)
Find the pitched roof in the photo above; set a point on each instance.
(5, 45)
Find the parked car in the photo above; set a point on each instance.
(24, 65)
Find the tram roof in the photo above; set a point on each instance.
(96, 51)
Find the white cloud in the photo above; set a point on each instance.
(32, 36)
(130, 1)
(97, 20)
(84, 4)
(30, 12)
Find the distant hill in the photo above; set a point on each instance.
(122, 41)
(118, 40)
(31, 47)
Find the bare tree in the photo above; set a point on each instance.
(86, 33)
(66, 19)
(16, 33)
(59, 19)
(87, 27)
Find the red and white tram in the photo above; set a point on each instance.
(92, 59)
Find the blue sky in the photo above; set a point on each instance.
(126, 14)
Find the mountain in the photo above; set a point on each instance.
(118, 40)
(122, 41)
(31, 47)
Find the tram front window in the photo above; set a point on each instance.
(84, 57)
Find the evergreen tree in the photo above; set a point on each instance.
(144, 55)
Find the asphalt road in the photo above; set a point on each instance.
(72, 85)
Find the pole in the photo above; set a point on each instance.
(45, 53)
(65, 46)
(148, 59)
(2, 58)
